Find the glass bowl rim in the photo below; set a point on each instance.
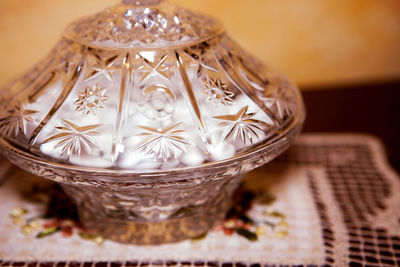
(293, 129)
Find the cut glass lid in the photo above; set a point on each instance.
(146, 85)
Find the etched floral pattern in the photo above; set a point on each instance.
(242, 126)
(163, 143)
(15, 120)
(74, 139)
(217, 92)
(90, 100)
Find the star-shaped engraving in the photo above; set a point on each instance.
(242, 126)
(14, 121)
(73, 138)
(90, 100)
(217, 92)
(100, 64)
(163, 143)
(152, 66)
(279, 100)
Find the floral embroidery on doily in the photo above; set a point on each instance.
(61, 218)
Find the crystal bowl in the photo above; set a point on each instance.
(148, 115)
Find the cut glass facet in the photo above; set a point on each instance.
(148, 112)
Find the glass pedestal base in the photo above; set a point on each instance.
(149, 233)
(149, 216)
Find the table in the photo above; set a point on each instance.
(364, 107)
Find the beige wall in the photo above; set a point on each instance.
(316, 42)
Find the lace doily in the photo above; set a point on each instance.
(336, 204)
